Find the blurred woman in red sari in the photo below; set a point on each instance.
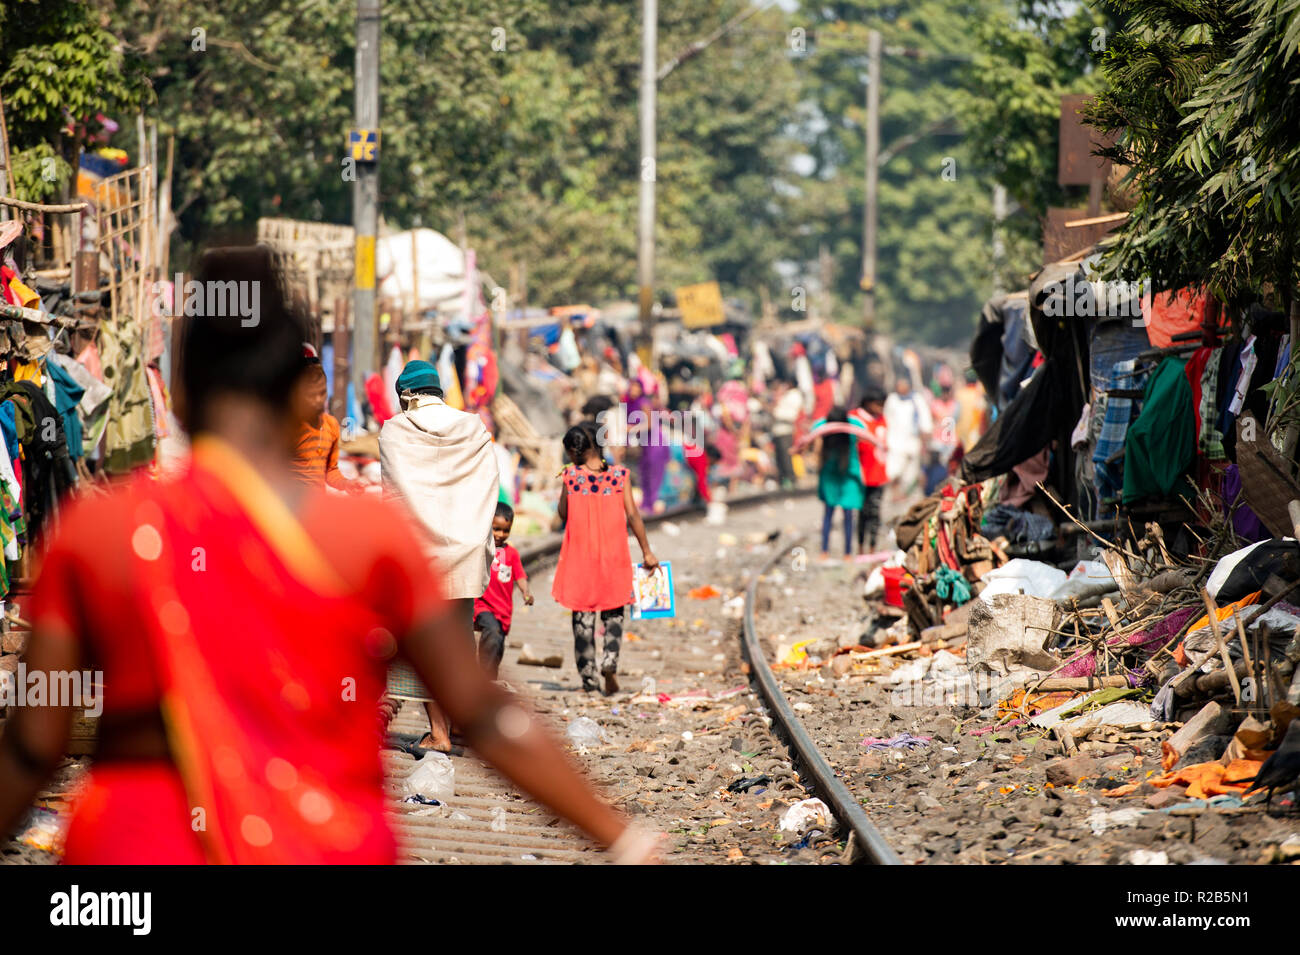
(242, 622)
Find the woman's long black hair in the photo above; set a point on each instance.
(836, 447)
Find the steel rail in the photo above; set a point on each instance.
(869, 845)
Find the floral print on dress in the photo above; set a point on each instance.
(582, 481)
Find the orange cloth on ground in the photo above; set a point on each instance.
(1222, 614)
(1038, 702)
(1204, 780)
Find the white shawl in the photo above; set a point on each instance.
(439, 462)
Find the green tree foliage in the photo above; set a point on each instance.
(59, 68)
(933, 268)
(260, 96)
(567, 206)
(1027, 56)
(1158, 68)
(1242, 138)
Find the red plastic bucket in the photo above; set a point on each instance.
(896, 578)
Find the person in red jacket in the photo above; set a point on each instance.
(871, 457)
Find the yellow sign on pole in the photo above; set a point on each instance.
(701, 305)
(364, 262)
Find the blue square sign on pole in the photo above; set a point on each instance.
(363, 145)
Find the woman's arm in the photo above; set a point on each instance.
(34, 737)
(500, 728)
(634, 521)
(563, 509)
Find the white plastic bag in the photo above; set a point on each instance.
(805, 814)
(1021, 576)
(585, 732)
(434, 776)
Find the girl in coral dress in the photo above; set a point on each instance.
(594, 575)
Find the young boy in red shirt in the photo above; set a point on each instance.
(493, 610)
(871, 456)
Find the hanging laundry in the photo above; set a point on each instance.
(128, 435)
(9, 432)
(1161, 443)
(67, 399)
(96, 393)
(1117, 416)
(1209, 441)
(90, 360)
(48, 472)
(158, 398)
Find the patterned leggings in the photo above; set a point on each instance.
(584, 642)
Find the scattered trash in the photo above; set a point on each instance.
(901, 741)
(707, 592)
(420, 799)
(498, 819)
(1099, 820)
(671, 529)
(45, 830)
(746, 784)
(530, 657)
(1020, 576)
(458, 816)
(585, 732)
(792, 656)
(804, 814)
(1147, 857)
(434, 776)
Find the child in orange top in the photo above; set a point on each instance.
(595, 567)
(316, 453)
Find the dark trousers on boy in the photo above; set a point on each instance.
(491, 643)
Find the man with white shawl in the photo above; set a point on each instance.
(439, 462)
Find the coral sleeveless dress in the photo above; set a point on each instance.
(595, 568)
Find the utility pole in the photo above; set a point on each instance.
(645, 253)
(365, 194)
(872, 180)
(650, 77)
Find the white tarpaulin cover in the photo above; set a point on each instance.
(439, 268)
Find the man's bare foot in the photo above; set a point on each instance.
(440, 743)
(611, 684)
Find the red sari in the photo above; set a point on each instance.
(262, 637)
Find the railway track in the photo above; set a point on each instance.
(866, 844)
(488, 821)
